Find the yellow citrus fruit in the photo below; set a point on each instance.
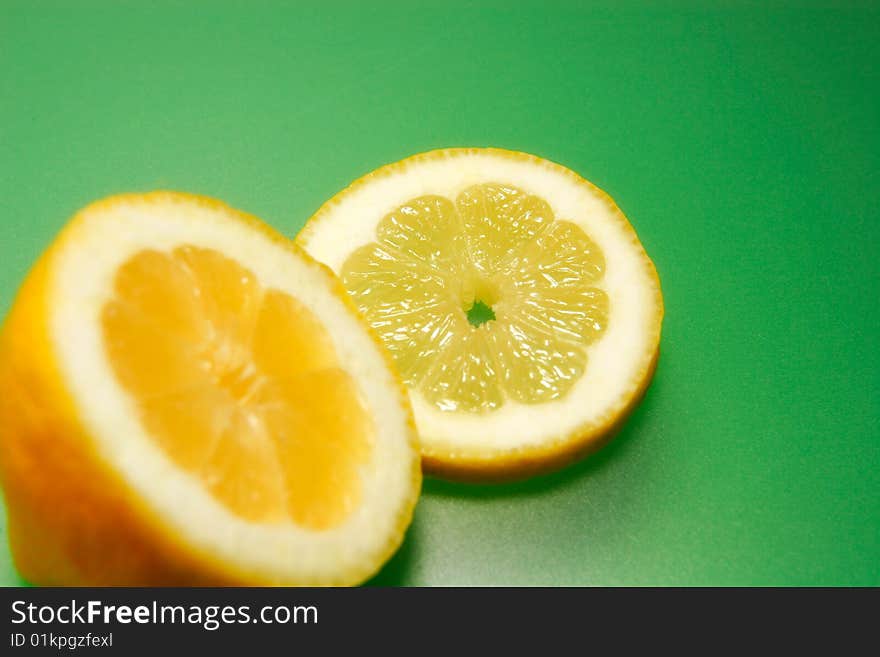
(187, 398)
(515, 298)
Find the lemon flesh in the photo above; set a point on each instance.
(482, 299)
(239, 385)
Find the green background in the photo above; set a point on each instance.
(742, 142)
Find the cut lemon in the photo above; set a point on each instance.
(188, 398)
(515, 298)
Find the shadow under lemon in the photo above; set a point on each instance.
(398, 571)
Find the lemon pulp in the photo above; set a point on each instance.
(535, 280)
(239, 385)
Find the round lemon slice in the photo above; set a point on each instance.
(514, 296)
(187, 398)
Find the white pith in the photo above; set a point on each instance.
(616, 362)
(83, 278)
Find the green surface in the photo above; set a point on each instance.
(744, 145)
(479, 313)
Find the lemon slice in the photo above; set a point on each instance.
(187, 398)
(515, 298)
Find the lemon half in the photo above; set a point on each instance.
(514, 296)
(187, 398)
